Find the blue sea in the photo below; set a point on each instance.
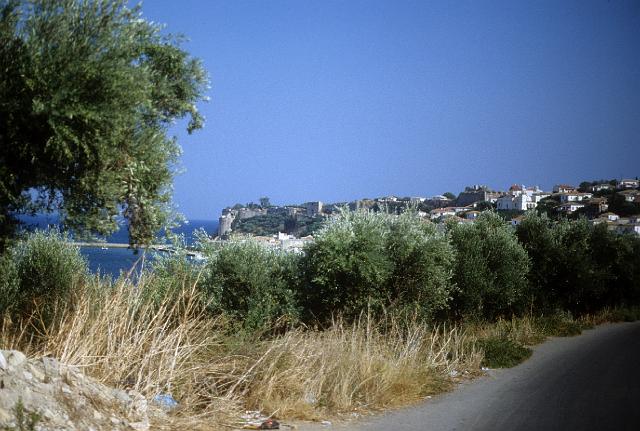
(114, 260)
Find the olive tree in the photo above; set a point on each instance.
(491, 268)
(88, 90)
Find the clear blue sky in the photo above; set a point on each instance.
(338, 100)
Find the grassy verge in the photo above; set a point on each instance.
(126, 337)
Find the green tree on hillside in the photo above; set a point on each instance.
(449, 195)
(264, 202)
(88, 90)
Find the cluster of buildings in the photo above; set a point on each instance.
(619, 224)
(466, 207)
(564, 198)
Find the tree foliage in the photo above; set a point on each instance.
(88, 89)
(577, 267)
(491, 268)
(365, 261)
(251, 283)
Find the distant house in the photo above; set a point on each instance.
(630, 195)
(570, 207)
(516, 188)
(600, 204)
(439, 201)
(440, 213)
(628, 228)
(574, 197)
(471, 215)
(628, 184)
(563, 188)
(610, 216)
(520, 202)
(600, 187)
(538, 196)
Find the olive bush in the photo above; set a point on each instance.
(251, 283)
(491, 268)
(365, 261)
(41, 270)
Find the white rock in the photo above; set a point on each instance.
(14, 358)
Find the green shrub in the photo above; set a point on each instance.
(576, 284)
(422, 259)
(9, 283)
(365, 261)
(578, 267)
(625, 314)
(536, 234)
(559, 325)
(491, 268)
(346, 266)
(251, 283)
(503, 352)
(47, 268)
(170, 273)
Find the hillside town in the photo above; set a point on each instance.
(615, 203)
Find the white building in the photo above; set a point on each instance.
(610, 216)
(630, 195)
(519, 202)
(600, 187)
(439, 213)
(574, 197)
(628, 184)
(563, 188)
(628, 228)
(471, 215)
(570, 207)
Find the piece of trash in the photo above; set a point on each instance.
(270, 424)
(165, 401)
(326, 423)
(485, 369)
(453, 373)
(428, 397)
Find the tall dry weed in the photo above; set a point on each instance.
(347, 367)
(125, 337)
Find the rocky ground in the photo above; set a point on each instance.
(43, 394)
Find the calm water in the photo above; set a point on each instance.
(114, 260)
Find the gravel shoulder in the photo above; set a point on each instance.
(588, 382)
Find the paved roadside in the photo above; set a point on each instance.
(588, 382)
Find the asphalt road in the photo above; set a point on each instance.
(589, 382)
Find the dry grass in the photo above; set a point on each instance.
(363, 366)
(128, 336)
(124, 337)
